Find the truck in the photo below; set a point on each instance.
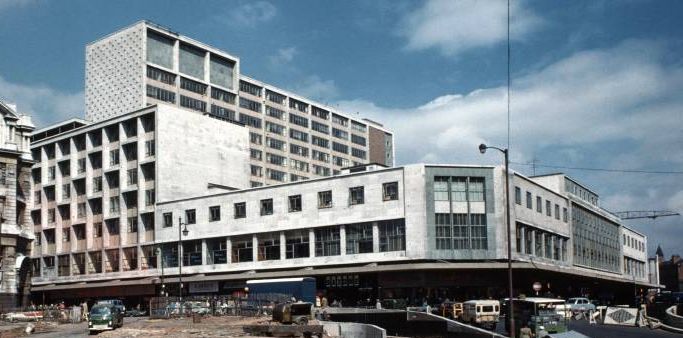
(301, 288)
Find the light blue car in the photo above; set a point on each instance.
(580, 304)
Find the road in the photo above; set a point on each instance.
(77, 330)
(608, 331)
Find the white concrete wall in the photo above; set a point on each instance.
(195, 150)
(531, 216)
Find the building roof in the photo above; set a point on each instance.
(660, 252)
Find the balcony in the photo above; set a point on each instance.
(97, 243)
(114, 241)
(66, 247)
(51, 249)
(50, 272)
(80, 245)
(148, 236)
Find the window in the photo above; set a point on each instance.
(298, 105)
(66, 234)
(298, 150)
(149, 148)
(222, 95)
(390, 191)
(324, 199)
(298, 135)
(327, 241)
(356, 195)
(160, 75)
(242, 250)
(275, 97)
(298, 120)
(548, 208)
(256, 171)
(320, 156)
(276, 175)
(319, 127)
(294, 203)
(222, 113)
(528, 200)
(340, 120)
(518, 195)
(359, 140)
(193, 86)
(250, 121)
(240, 210)
(214, 213)
(250, 105)
(268, 247)
(274, 112)
(338, 147)
(320, 142)
(358, 153)
(256, 154)
(250, 88)
(392, 235)
(51, 173)
(357, 126)
(80, 210)
(476, 189)
(113, 157)
(276, 159)
(114, 205)
(539, 204)
(37, 197)
(132, 175)
(297, 244)
(338, 133)
(191, 61)
(478, 234)
(190, 216)
(340, 161)
(168, 219)
(97, 184)
(132, 224)
(275, 143)
(160, 94)
(149, 197)
(80, 164)
(321, 113)
(358, 238)
(557, 212)
(275, 128)
(267, 207)
(97, 229)
(193, 104)
(441, 188)
(66, 191)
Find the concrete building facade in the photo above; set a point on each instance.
(15, 191)
(408, 232)
(292, 138)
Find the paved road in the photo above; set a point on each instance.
(77, 330)
(608, 331)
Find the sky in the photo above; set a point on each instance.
(594, 84)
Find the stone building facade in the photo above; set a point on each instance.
(15, 200)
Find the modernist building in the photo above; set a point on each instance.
(15, 192)
(292, 138)
(415, 231)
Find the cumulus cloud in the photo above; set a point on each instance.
(45, 105)
(316, 88)
(454, 27)
(251, 14)
(618, 107)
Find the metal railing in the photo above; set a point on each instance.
(250, 306)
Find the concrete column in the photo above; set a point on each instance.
(375, 237)
(533, 242)
(311, 243)
(522, 241)
(228, 248)
(283, 246)
(342, 239)
(254, 249)
(205, 252)
(121, 256)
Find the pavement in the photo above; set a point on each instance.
(609, 331)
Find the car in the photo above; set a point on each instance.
(135, 313)
(483, 312)
(449, 309)
(116, 302)
(104, 317)
(580, 304)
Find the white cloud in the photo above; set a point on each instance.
(457, 26)
(283, 56)
(626, 97)
(251, 14)
(316, 88)
(44, 104)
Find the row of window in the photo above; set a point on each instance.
(539, 205)
(540, 243)
(459, 189)
(301, 150)
(461, 231)
(634, 243)
(294, 202)
(634, 267)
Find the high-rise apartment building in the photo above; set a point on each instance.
(292, 138)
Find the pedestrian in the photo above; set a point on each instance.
(323, 302)
(525, 332)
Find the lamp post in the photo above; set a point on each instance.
(482, 149)
(184, 232)
(163, 284)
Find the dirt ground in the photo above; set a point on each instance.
(184, 327)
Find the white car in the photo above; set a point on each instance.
(580, 304)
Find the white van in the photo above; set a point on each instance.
(483, 313)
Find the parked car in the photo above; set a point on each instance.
(104, 317)
(580, 304)
(297, 313)
(449, 309)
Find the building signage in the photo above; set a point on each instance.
(203, 287)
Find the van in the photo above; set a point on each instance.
(483, 313)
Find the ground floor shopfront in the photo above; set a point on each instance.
(414, 284)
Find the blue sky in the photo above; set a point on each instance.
(594, 83)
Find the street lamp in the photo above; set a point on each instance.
(482, 149)
(184, 232)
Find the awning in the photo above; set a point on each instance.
(84, 285)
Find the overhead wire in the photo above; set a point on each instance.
(632, 171)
